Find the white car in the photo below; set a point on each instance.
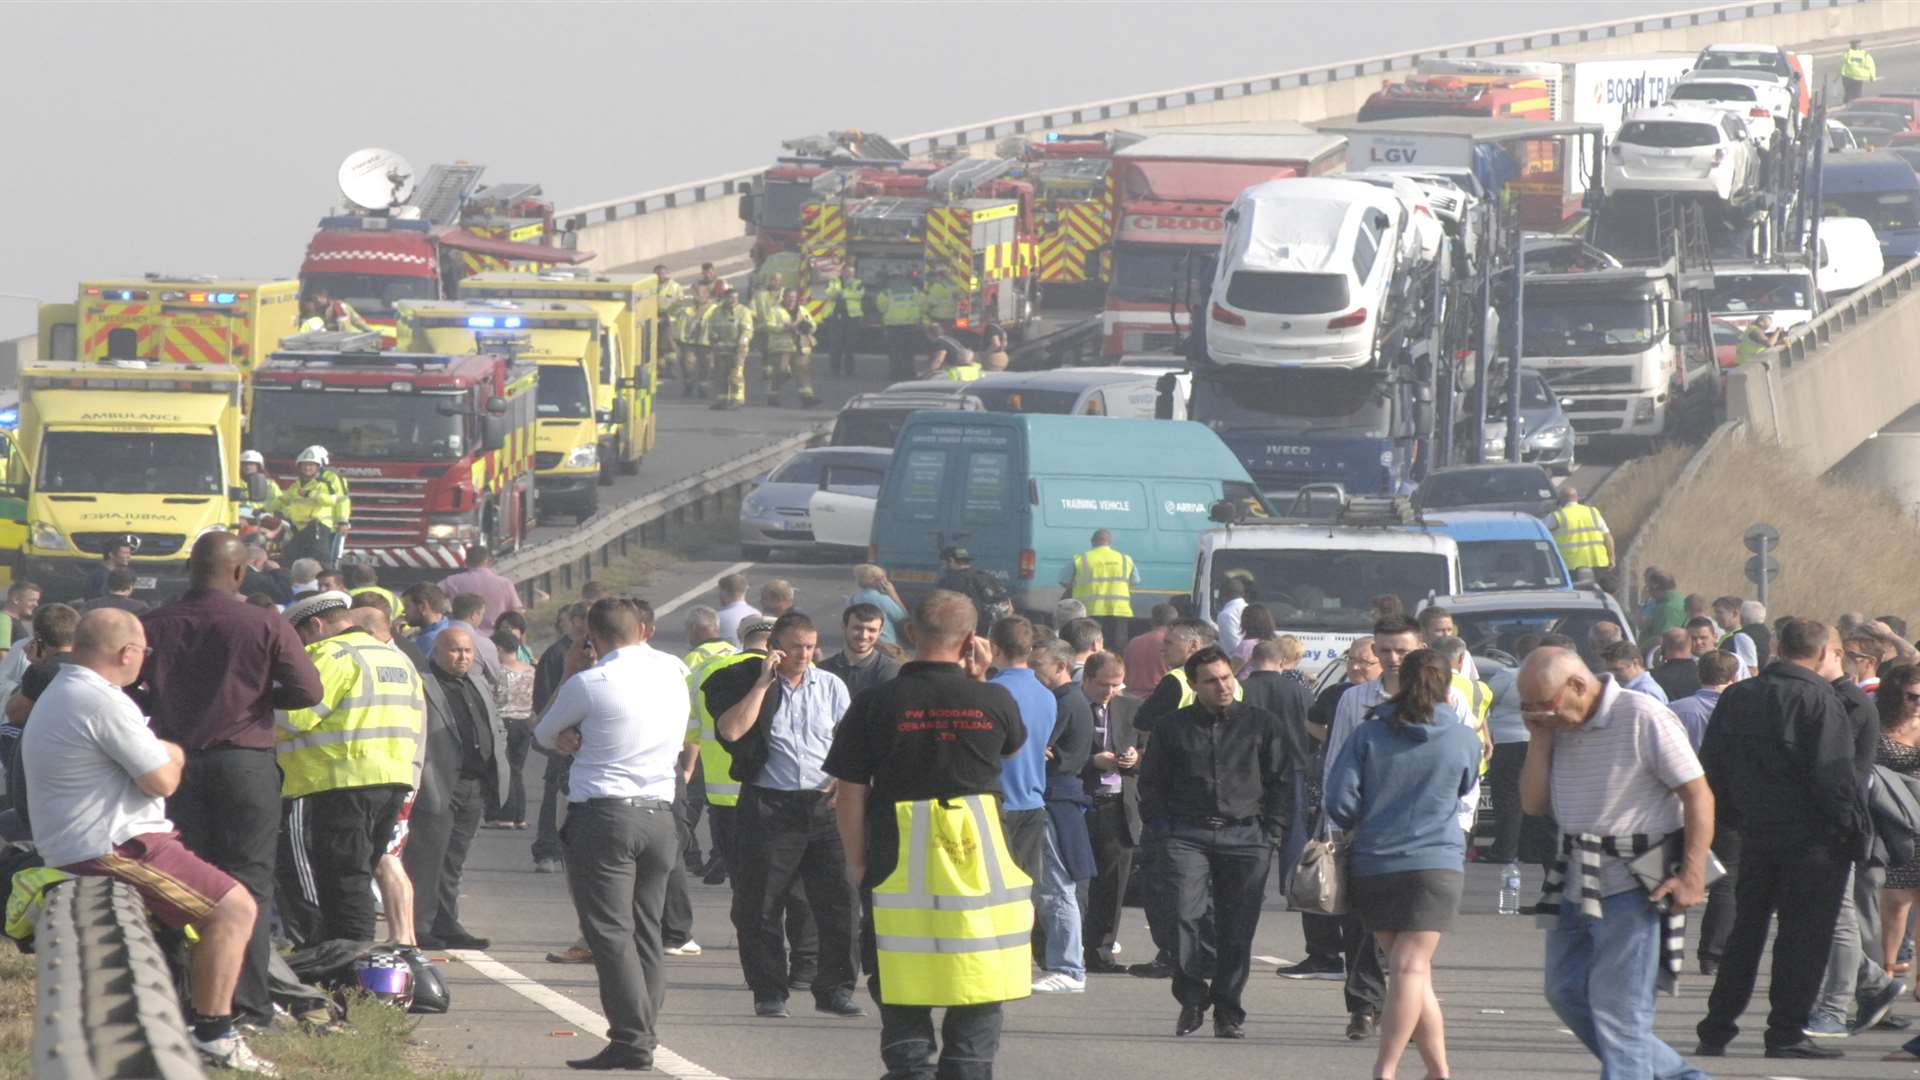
(1686, 148)
(1765, 105)
(1783, 290)
(1427, 226)
(1305, 273)
(1840, 137)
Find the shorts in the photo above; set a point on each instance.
(399, 842)
(180, 888)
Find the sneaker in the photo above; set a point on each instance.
(573, 954)
(230, 1051)
(771, 1007)
(1826, 1027)
(685, 948)
(1059, 982)
(1874, 1008)
(546, 866)
(1806, 1050)
(1314, 967)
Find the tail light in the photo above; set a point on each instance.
(1758, 113)
(1356, 317)
(1026, 564)
(1221, 314)
(1719, 156)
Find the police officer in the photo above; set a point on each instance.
(846, 308)
(1103, 579)
(729, 330)
(1856, 70)
(347, 766)
(1581, 534)
(942, 303)
(318, 507)
(945, 912)
(900, 316)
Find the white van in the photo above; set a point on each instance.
(1849, 255)
(1306, 271)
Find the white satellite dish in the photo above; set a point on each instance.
(375, 179)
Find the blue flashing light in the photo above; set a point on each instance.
(222, 298)
(1053, 136)
(511, 322)
(480, 322)
(10, 417)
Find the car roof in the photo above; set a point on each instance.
(846, 454)
(1321, 537)
(1740, 47)
(1058, 379)
(1866, 170)
(1483, 603)
(1486, 467)
(1677, 114)
(1490, 525)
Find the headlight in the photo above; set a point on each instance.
(1643, 409)
(456, 528)
(1386, 459)
(48, 537)
(756, 506)
(1552, 436)
(582, 456)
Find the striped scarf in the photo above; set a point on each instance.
(1587, 848)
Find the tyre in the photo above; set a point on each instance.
(589, 507)
(630, 468)
(755, 553)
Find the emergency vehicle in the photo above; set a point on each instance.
(819, 166)
(1073, 209)
(172, 318)
(1462, 94)
(438, 449)
(564, 339)
(631, 327)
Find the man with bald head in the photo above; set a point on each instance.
(466, 764)
(1616, 771)
(217, 670)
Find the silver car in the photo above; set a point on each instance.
(775, 514)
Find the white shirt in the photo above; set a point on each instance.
(732, 616)
(1352, 711)
(631, 708)
(1227, 622)
(85, 742)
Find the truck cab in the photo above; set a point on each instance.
(1292, 428)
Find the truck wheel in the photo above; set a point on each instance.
(631, 468)
(589, 507)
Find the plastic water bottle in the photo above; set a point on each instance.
(1510, 889)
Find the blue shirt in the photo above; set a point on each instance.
(1645, 684)
(1397, 793)
(801, 732)
(1024, 775)
(424, 638)
(891, 613)
(1693, 711)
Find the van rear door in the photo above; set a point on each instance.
(953, 484)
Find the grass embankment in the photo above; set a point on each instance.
(1843, 546)
(1629, 496)
(642, 566)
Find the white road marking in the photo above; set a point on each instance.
(1274, 960)
(591, 1023)
(694, 593)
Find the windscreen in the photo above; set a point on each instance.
(1509, 564)
(869, 427)
(799, 469)
(1886, 211)
(1293, 401)
(1503, 630)
(1669, 134)
(1148, 272)
(1713, 91)
(130, 462)
(1481, 487)
(1736, 293)
(372, 294)
(1287, 293)
(1766, 62)
(780, 208)
(1588, 321)
(286, 422)
(563, 392)
(1891, 108)
(1330, 590)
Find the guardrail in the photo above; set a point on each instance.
(1126, 108)
(1868, 300)
(105, 1007)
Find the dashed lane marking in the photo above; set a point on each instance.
(695, 593)
(665, 1061)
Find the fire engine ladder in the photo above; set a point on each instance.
(440, 196)
(960, 179)
(498, 199)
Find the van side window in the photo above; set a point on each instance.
(983, 498)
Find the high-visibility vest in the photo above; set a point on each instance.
(669, 293)
(1751, 345)
(953, 922)
(393, 602)
(854, 292)
(323, 498)
(366, 728)
(1581, 535)
(715, 762)
(1188, 697)
(965, 373)
(697, 322)
(940, 300)
(899, 307)
(1479, 701)
(1103, 580)
(729, 328)
(1857, 64)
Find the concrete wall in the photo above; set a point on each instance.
(1339, 92)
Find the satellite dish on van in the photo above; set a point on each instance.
(375, 179)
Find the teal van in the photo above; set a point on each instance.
(1024, 492)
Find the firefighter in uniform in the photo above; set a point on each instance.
(729, 335)
(900, 306)
(668, 296)
(846, 308)
(1582, 536)
(261, 490)
(347, 765)
(690, 336)
(947, 917)
(789, 329)
(323, 312)
(1856, 70)
(1103, 579)
(318, 507)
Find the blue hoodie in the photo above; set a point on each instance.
(1397, 792)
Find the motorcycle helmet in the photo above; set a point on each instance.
(386, 976)
(430, 993)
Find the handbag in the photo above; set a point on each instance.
(1319, 884)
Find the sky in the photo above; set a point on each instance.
(204, 137)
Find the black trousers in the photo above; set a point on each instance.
(1026, 835)
(1804, 885)
(720, 835)
(844, 334)
(903, 347)
(1232, 861)
(1343, 938)
(1717, 924)
(227, 810)
(969, 1034)
(1504, 774)
(1113, 861)
(436, 856)
(783, 837)
(553, 792)
(329, 846)
(1850, 89)
(618, 857)
(696, 809)
(1113, 628)
(514, 806)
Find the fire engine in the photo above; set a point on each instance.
(1074, 209)
(1463, 94)
(437, 449)
(818, 168)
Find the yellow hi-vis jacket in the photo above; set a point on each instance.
(1857, 64)
(1188, 697)
(1581, 535)
(953, 922)
(853, 291)
(365, 730)
(941, 301)
(1480, 700)
(900, 306)
(323, 498)
(715, 762)
(393, 602)
(1103, 580)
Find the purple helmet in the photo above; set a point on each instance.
(387, 977)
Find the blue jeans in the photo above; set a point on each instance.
(1056, 913)
(1600, 982)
